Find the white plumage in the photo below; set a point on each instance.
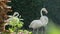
(35, 24)
(14, 18)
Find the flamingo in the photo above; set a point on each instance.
(43, 21)
(13, 17)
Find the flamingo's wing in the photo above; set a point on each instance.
(35, 24)
(44, 20)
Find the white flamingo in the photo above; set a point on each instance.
(15, 15)
(12, 17)
(35, 24)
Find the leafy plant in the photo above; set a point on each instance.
(17, 24)
(25, 31)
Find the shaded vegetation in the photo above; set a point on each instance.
(30, 9)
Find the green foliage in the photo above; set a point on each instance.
(53, 28)
(25, 31)
(15, 23)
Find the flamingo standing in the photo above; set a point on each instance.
(43, 21)
(14, 17)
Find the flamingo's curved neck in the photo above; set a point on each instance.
(41, 13)
(16, 13)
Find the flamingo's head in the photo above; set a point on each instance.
(44, 9)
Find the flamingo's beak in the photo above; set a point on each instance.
(44, 9)
(46, 12)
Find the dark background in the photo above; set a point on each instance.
(30, 9)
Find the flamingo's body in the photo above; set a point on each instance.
(13, 18)
(35, 24)
(38, 23)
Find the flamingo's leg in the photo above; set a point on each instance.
(45, 29)
(33, 31)
(42, 31)
(37, 31)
